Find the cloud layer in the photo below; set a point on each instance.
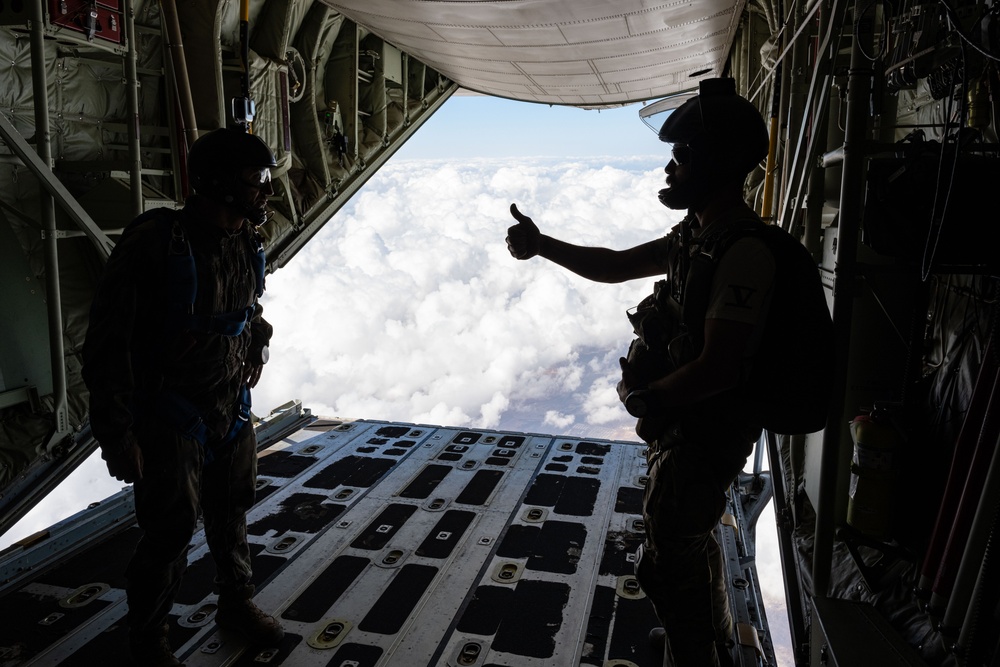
(407, 306)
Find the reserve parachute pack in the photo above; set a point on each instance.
(787, 388)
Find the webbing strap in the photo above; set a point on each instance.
(259, 261)
(224, 324)
(187, 421)
(242, 417)
(182, 281)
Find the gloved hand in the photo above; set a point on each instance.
(523, 239)
(633, 394)
(125, 464)
(629, 382)
(251, 374)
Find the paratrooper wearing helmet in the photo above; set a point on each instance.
(176, 341)
(230, 167)
(681, 383)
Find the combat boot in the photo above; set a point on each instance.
(238, 613)
(691, 654)
(658, 644)
(152, 650)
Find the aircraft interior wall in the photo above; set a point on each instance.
(332, 100)
(921, 289)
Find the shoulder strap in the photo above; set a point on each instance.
(258, 259)
(161, 214)
(717, 240)
(182, 276)
(181, 273)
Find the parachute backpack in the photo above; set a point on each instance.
(788, 386)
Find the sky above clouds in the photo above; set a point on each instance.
(407, 306)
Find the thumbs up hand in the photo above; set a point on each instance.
(523, 239)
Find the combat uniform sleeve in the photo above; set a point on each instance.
(108, 350)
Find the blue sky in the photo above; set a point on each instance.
(477, 126)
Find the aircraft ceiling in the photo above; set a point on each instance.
(588, 53)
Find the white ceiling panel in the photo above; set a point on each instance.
(574, 52)
(615, 27)
(460, 34)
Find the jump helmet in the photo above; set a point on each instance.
(216, 160)
(718, 120)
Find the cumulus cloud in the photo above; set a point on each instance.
(408, 307)
(558, 420)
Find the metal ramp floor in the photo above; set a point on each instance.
(381, 543)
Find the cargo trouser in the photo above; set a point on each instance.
(175, 485)
(680, 565)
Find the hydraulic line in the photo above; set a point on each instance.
(965, 446)
(244, 109)
(835, 436)
(132, 81)
(182, 83)
(961, 522)
(767, 206)
(973, 555)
